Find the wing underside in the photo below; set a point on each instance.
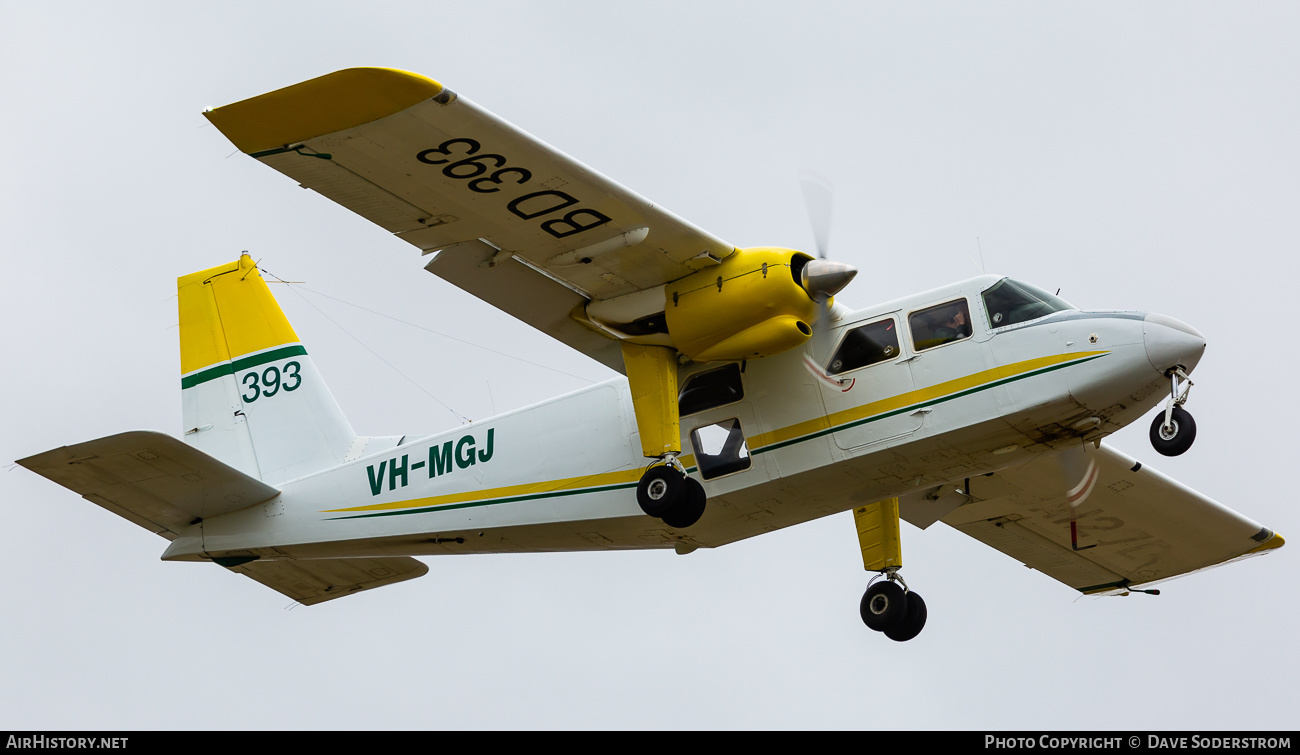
(1101, 522)
(508, 218)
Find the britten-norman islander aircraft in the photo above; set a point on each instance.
(752, 401)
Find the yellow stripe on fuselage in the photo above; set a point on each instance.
(604, 479)
(226, 312)
(912, 398)
(756, 442)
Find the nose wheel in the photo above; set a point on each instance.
(1173, 430)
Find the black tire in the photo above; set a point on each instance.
(913, 621)
(883, 605)
(690, 508)
(1180, 439)
(660, 490)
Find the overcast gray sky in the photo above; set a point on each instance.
(1135, 155)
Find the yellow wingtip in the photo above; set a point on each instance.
(333, 102)
(1273, 542)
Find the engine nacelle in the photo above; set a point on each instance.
(751, 305)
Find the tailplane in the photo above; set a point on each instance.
(250, 394)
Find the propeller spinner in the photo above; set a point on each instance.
(822, 278)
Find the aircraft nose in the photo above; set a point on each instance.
(1171, 343)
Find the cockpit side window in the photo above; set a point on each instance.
(1010, 302)
(869, 344)
(705, 390)
(941, 324)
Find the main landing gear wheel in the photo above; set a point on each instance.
(661, 489)
(883, 606)
(666, 493)
(689, 509)
(913, 620)
(1176, 437)
(892, 609)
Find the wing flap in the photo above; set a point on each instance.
(1044, 555)
(1135, 526)
(150, 479)
(547, 307)
(316, 581)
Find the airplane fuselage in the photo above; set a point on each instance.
(777, 447)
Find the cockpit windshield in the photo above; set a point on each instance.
(1010, 302)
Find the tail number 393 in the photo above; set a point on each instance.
(268, 382)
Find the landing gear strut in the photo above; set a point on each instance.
(666, 492)
(1173, 430)
(887, 606)
(891, 608)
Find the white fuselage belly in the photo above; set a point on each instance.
(561, 475)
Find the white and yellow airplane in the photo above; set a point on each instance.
(982, 404)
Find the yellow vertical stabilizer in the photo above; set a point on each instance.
(250, 394)
(227, 312)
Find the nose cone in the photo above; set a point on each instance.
(1171, 343)
(823, 279)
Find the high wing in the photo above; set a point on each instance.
(509, 219)
(1099, 521)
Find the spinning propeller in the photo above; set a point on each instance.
(822, 278)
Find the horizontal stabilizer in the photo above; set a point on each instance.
(151, 479)
(316, 581)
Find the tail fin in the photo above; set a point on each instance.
(250, 394)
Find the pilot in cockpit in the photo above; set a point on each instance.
(952, 325)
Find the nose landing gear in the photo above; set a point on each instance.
(1173, 430)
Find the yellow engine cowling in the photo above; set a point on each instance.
(751, 305)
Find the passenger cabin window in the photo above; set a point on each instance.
(939, 325)
(720, 449)
(1011, 302)
(869, 344)
(706, 390)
